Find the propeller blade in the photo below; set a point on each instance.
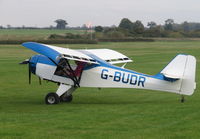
(29, 74)
(25, 61)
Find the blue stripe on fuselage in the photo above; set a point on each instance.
(108, 65)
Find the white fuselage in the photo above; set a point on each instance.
(110, 77)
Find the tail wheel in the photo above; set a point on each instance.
(52, 98)
(65, 98)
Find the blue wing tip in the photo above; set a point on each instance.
(25, 44)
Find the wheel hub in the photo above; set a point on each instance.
(51, 99)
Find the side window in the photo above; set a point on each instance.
(64, 69)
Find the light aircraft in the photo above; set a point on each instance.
(72, 69)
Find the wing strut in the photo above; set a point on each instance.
(76, 81)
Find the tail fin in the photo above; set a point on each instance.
(182, 67)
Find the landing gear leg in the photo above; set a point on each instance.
(182, 99)
(67, 96)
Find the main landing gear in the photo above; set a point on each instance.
(63, 94)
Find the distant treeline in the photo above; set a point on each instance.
(170, 29)
(127, 30)
(49, 28)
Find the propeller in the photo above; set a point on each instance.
(27, 61)
(29, 73)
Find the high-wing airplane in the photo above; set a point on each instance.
(72, 69)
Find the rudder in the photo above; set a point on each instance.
(188, 84)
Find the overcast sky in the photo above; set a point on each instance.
(99, 12)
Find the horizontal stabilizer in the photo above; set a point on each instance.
(171, 76)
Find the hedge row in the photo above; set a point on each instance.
(76, 41)
(64, 41)
(127, 40)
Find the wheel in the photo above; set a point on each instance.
(65, 98)
(182, 99)
(52, 98)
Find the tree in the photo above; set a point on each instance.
(169, 24)
(152, 24)
(186, 27)
(98, 28)
(51, 27)
(9, 26)
(114, 34)
(126, 24)
(157, 31)
(138, 27)
(61, 24)
(84, 26)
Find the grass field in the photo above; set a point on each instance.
(24, 34)
(105, 113)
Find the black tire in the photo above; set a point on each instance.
(64, 98)
(182, 99)
(52, 98)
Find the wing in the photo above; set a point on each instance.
(55, 53)
(110, 56)
(88, 56)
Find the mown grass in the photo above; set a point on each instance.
(105, 113)
(27, 34)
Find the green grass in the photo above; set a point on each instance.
(105, 113)
(22, 34)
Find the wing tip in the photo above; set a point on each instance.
(25, 44)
